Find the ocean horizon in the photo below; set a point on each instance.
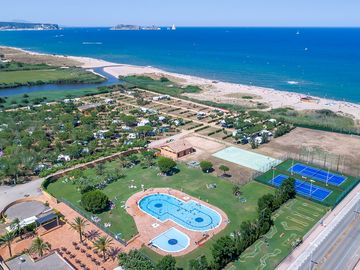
(323, 62)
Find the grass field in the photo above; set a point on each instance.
(43, 76)
(338, 192)
(160, 86)
(192, 181)
(47, 96)
(291, 222)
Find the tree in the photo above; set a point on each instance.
(224, 169)
(79, 225)
(199, 264)
(135, 260)
(168, 262)
(6, 240)
(129, 120)
(287, 189)
(206, 166)
(266, 201)
(143, 130)
(94, 201)
(39, 246)
(224, 251)
(102, 244)
(236, 190)
(166, 165)
(148, 157)
(254, 144)
(100, 168)
(15, 226)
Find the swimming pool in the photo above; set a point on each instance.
(190, 215)
(172, 240)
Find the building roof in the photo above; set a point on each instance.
(178, 146)
(45, 217)
(50, 262)
(89, 106)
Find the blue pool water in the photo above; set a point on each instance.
(172, 240)
(190, 215)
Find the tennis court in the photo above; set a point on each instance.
(304, 188)
(318, 174)
(247, 159)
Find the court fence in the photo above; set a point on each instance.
(116, 236)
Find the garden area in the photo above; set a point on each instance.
(239, 203)
(291, 222)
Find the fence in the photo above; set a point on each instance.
(88, 217)
(317, 156)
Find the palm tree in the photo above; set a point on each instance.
(6, 240)
(79, 225)
(39, 246)
(102, 244)
(15, 226)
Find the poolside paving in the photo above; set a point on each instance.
(63, 237)
(147, 230)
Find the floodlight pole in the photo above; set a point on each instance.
(273, 169)
(327, 178)
(311, 181)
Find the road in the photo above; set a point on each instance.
(9, 194)
(344, 253)
(336, 246)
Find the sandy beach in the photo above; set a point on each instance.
(224, 92)
(217, 91)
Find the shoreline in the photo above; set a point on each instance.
(219, 91)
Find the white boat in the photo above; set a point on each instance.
(173, 27)
(298, 32)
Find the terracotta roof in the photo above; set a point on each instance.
(178, 146)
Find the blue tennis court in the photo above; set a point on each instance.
(318, 174)
(304, 188)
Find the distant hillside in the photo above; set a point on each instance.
(27, 26)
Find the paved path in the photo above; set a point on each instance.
(9, 194)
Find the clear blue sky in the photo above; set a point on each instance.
(185, 12)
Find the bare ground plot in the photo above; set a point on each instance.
(319, 147)
(205, 147)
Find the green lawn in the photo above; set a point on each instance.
(160, 86)
(46, 96)
(292, 221)
(192, 181)
(55, 75)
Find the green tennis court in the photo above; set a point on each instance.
(247, 159)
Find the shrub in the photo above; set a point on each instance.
(206, 166)
(94, 201)
(166, 165)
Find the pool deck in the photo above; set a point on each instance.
(147, 232)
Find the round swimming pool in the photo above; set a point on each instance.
(171, 241)
(190, 215)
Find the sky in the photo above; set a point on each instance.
(341, 13)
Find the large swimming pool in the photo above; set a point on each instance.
(190, 215)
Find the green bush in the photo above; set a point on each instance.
(94, 201)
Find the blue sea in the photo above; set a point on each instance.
(323, 62)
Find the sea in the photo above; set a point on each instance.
(323, 62)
